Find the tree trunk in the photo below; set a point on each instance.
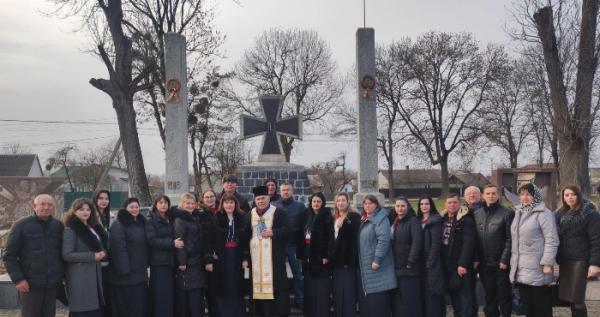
(197, 172)
(138, 182)
(445, 177)
(573, 128)
(390, 162)
(287, 145)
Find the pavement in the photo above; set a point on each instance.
(592, 301)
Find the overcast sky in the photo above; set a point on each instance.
(44, 72)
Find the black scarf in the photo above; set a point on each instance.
(569, 219)
(90, 240)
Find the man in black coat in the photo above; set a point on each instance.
(294, 212)
(33, 258)
(269, 279)
(494, 244)
(230, 184)
(458, 245)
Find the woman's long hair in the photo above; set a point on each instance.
(229, 197)
(159, 198)
(432, 208)
(577, 191)
(78, 204)
(336, 211)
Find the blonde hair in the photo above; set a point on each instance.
(185, 196)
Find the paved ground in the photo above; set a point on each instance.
(593, 310)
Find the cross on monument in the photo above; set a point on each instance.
(272, 126)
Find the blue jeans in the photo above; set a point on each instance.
(462, 299)
(296, 267)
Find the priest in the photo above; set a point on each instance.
(267, 250)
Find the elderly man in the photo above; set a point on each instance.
(458, 244)
(294, 212)
(493, 223)
(267, 252)
(33, 258)
(230, 184)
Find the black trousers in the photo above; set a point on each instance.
(128, 300)
(375, 304)
(316, 296)
(162, 287)
(38, 302)
(498, 292)
(192, 302)
(344, 292)
(536, 299)
(406, 299)
(90, 313)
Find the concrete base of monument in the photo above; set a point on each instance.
(257, 173)
(358, 198)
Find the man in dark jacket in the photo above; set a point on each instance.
(294, 211)
(493, 244)
(458, 245)
(33, 258)
(230, 183)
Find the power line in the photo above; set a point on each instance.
(67, 141)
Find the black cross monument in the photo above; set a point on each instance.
(272, 126)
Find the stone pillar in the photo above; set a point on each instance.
(366, 126)
(176, 127)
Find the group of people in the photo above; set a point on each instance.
(398, 262)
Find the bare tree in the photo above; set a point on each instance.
(63, 158)
(113, 35)
(393, 76)
(451, 79)
(565, 33)
(504, 117)
(295, 64)
(573, 121)
(15, 148)
(209, 122)
(229, 154)
(153, 19)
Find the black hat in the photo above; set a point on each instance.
(230, 178)
(260, 191)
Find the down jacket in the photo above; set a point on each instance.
(128, 250)
(534, 243)
(374, 246)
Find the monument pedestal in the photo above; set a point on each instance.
(358, 198)
(256, 174)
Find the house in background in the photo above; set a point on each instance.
(595, 181)
(27, 165)
(414, 183)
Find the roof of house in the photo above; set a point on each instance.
(414, 176)
(17, 164)
(475, 179)
(429, 176)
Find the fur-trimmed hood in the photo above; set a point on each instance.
(124, 217)
(87, 236)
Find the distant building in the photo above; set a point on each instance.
(595, 181)
(414, 183)
(27, 165)
(85, 178)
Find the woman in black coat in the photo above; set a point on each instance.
(315, 247)
(191, 277)
(433, 280)
(129, 261)
(209, 205)
(578, 255)
(159, 233)
(407, 245)
(101, 199)
(227, 256)
(345, 257)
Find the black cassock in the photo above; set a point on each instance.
(280, 306)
